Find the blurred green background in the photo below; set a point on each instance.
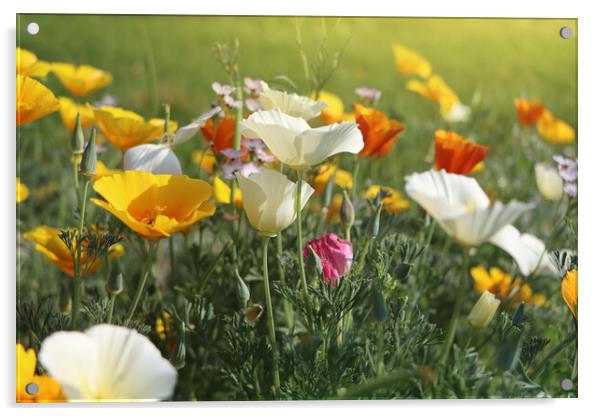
(170, 59)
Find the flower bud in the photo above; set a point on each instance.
(379, 304)
(483, 311)
(549, 182)
(77, 137)
(510, 349)
(88, 163)
(374, 224)
(328, 191)
(242, 291)
(315, 263)
(114, 284)
(347, 211)
(253, 313)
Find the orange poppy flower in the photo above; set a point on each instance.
(528, 111)
(379, 131)
(221, 137)
(456, 154)
(569, 290)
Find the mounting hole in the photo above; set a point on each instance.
(566, 32)
(32, 389)
(33, 28)
(566, 384)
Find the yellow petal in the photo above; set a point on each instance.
(34, 100)
(81, 80)
(68, 111)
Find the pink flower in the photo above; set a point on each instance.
(335, 255)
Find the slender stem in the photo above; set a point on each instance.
(110, 308)
(272, 330)
(427, 244)
(172, 255)
(380, 365)
(300, 233)
(76, 179)
(78, 278)
(453, 324)
(141, 284)
(355, 174)
(288, 308)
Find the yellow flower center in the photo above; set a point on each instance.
(150, 216)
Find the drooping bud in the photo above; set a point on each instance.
(114, 284)
(402, 270)
(483, 311)
(347, 211)
(88, 164)
(77, 137)
(253, 313)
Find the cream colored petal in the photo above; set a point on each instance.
(477, 227)
(548, 181)
(446, 195)
(72, 359)
(253, 199)
(153, 158)
(277, 130)
(185, 133)
(130, 366)
(292, 104)
(526, 249)
(316, 145)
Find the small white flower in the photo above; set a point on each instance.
(460, 206)
(549, 182)
(295, 143)
(457, 113)
(292, 104)
(268, 198)
(528, 251)
(483, 311)
(107, 363)
(154, 158)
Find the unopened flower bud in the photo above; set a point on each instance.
(77, 137)
(374, 224)
(483, 311)
(114, 284)
(328, 191)
(242, 291)
(88, 163)
(347, 211)
(253, 313)
(315, 263)
(379, 304)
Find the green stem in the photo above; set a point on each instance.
(271, 327)
(78, 278)
(355, 174)
(172, 259)
(76, 179)
(453, 324)
(288, 308)
(110, 308)
(380, 365)
(141, 284)
(300, 233)
(427, 244)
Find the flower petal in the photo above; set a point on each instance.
(314, 146)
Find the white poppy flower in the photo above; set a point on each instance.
(298, 145)
(107, 363)
(154, 158)
(460, 206)
(268, 198)
(483, 311)
(528, 251)
(292, 104)
(457, 113)
(185, 133)
(549, 182)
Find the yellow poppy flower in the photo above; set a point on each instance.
(392, 203)
(335, 110)
(34, 100)
(223, 193)
(81, 80)
(555, 130)
(48, 243)
(155, 206)
(22, 191)
(205, 159)
(69, 110)
(125, 129)
(500, 284)
(410, 62)
(30, 66)
(569, 291)
(49, 390)
(434, 89)
(342, 178)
